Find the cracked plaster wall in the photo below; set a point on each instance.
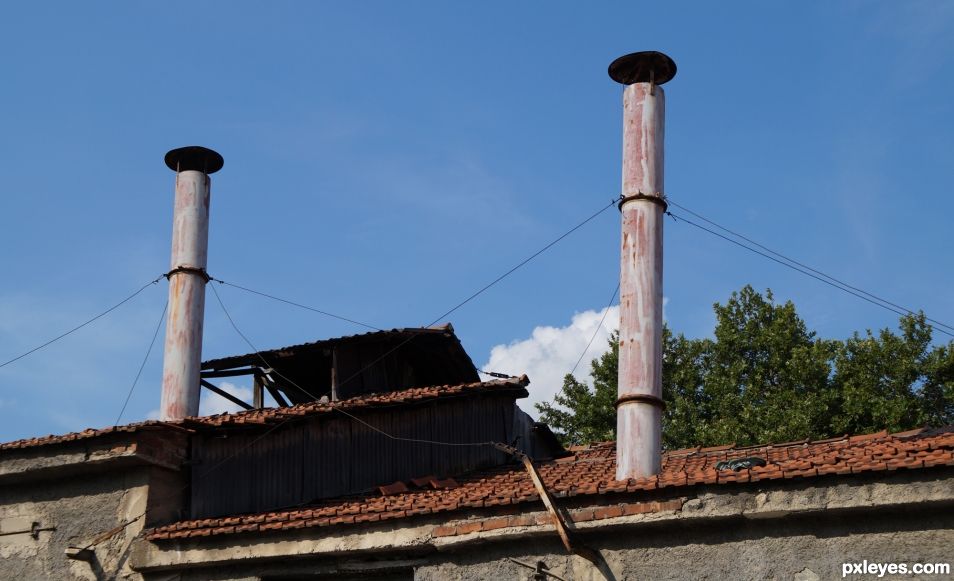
(80, 507)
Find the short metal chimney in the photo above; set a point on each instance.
(639, 406)
(187, 279)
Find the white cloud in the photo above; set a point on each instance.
(551, 352)
(212, 403)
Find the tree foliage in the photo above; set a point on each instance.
(765, 377)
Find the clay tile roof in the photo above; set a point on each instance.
(591, 471)
(396, 488)
(515, 385)
(84, 435)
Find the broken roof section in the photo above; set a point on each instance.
(352, 366)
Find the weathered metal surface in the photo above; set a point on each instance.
(535, 438)
(641, 274)
(229, 373)
(643, 132)
(246, 470)
(258, 392)
(324, 457)
(183, 348)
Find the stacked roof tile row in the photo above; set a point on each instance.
(516, 385)
(591, 471)
(75, 436)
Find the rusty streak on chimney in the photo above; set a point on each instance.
(639, 406)
(182, 360)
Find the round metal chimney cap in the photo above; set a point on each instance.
(194, 157)
(636, 68)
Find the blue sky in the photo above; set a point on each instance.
(383, 160)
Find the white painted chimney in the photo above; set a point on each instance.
(182, 360)
(639, 405)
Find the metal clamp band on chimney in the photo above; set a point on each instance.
(182, 359)
(639, 422)
(188, 270)
(641, 398)
(656, 198)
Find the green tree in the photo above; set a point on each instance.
(937, 389)
(894, 381)
(766, 378)
(689, 408)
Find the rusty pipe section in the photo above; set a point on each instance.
(639, 405)
(182, 358)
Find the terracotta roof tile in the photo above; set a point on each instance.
(74, 436)
(265, 416)
(591, 471)
(421, 482)
(396, 488)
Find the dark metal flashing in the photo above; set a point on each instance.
(255, 359)
(194, 158)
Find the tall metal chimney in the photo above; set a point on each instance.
(639, 406)
(187, 279)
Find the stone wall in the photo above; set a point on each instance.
(77, 491)
(808, 547)
(79, 507)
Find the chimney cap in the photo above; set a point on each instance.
(643, 67)
(194, 157)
